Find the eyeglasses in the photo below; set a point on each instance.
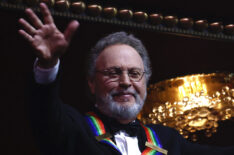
(114, 73)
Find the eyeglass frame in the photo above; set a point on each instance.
(106, 72)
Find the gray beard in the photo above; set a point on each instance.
(108, 106)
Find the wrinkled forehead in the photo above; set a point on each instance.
(120, 55)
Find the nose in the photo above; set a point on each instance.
(124, 81)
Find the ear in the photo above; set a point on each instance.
(91, 84)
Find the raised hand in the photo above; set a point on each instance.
(49, 43)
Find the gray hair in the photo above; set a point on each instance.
(118, 38)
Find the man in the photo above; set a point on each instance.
(118, 72)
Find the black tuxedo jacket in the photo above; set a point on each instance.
(61, 130)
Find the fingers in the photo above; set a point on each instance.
(48, 19)
(34, 18)
(26, 35)
(70, 30)
(28, 28)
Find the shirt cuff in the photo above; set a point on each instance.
(45, 76)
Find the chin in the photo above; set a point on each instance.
(120, 109)
(126, 104)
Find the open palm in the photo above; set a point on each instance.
(48, 42)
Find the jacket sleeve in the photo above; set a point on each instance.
(51, 120)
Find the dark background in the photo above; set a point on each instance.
(171, 56)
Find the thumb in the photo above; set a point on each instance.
(70, 30)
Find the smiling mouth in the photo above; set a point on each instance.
(123, 97)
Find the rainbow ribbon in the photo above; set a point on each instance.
(152, 139)
(98, 129)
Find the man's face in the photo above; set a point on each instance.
(123, 93)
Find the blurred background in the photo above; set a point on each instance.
(172, 54)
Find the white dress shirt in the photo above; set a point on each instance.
(126, 144)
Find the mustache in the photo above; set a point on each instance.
(123, 92)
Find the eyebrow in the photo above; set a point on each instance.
(117, 67)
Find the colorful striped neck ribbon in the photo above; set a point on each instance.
(153, 140)
(99, 131)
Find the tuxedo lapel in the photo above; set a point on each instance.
(99, 130)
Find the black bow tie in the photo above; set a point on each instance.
(131, 128)
(113, 126)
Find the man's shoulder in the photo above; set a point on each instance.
(158, 126)
(161, 129)
(167, 135)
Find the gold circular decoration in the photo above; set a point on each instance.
(201, 25)
(229, 29)
(62, 5)
(125, 14)
(78, 7)
(109, 12)
(94, 10)
(216, 27)
(156, 19)
(140, 16)
(186, 23)
(170, 21)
